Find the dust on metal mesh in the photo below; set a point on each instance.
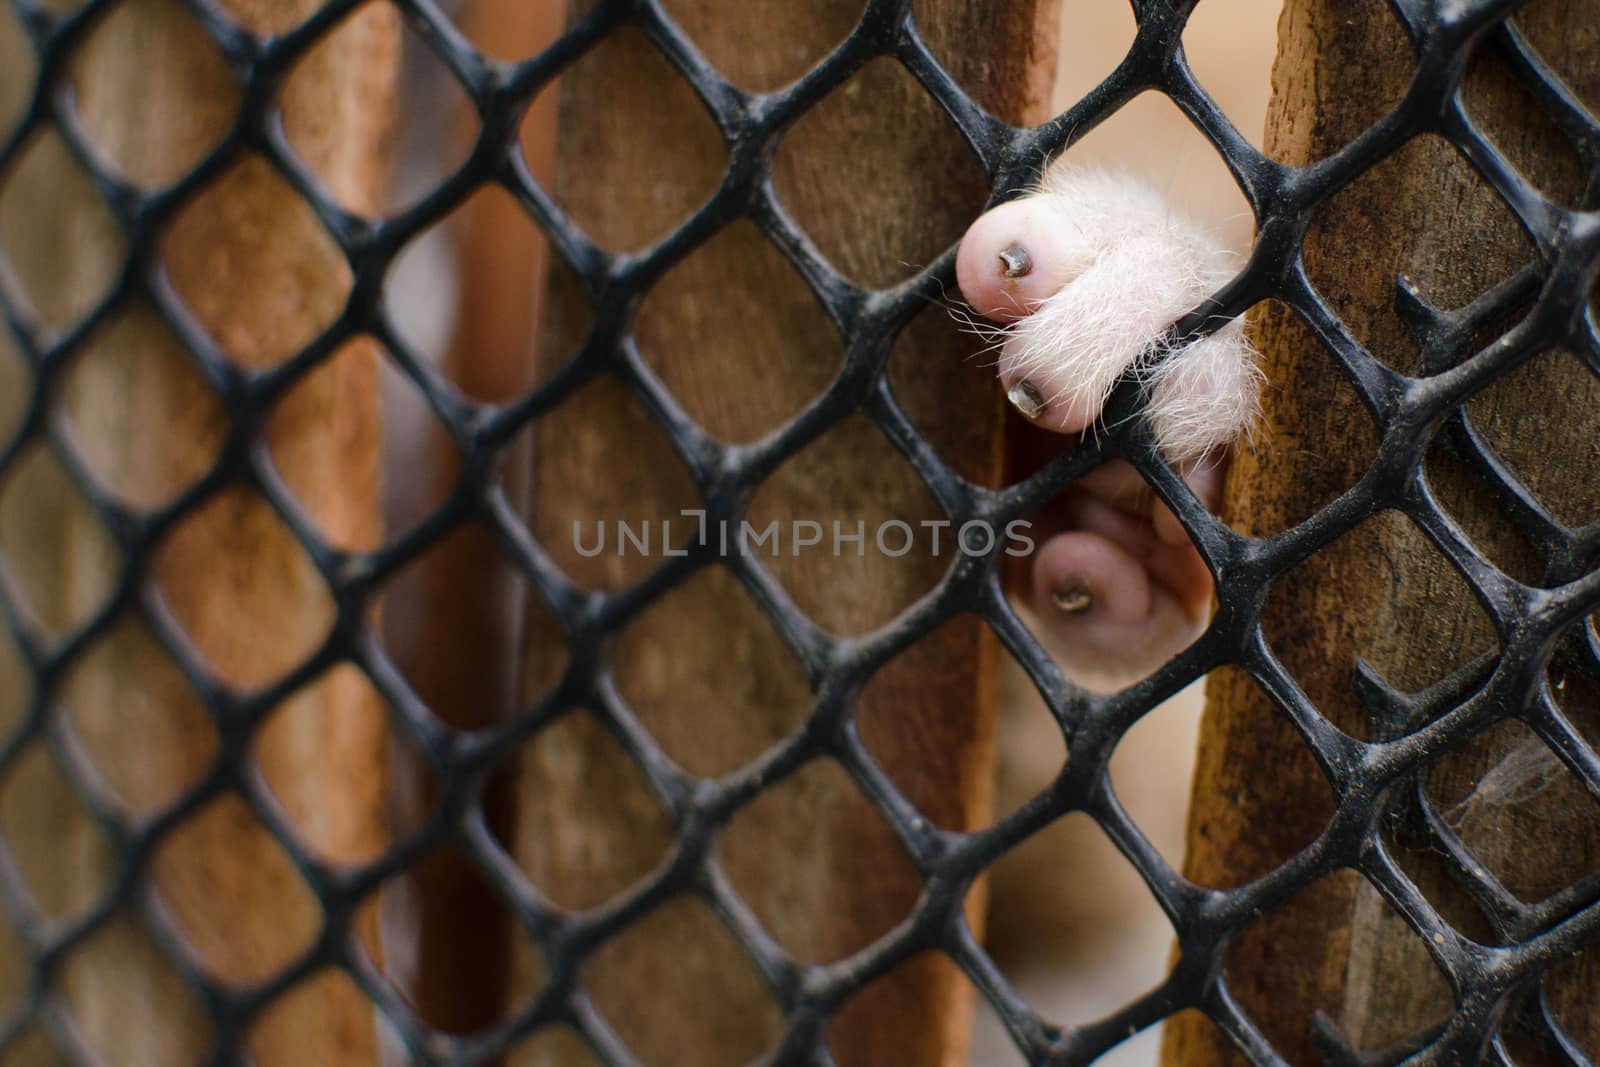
(1283, 198)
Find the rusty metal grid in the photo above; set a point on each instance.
(1367, 777)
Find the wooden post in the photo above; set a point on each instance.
(879, 180)
(454, 622)
(1382, 592)
(253, 265)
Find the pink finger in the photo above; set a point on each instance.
(1176, 569)
(1017, 256)
(1084, 577)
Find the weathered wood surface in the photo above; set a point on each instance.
(879, 179)
(254, 266)
(1382, 593)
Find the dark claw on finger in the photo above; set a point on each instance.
(1015, 261)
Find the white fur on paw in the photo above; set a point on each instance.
(1112, 267)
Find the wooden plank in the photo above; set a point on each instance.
(880, 181)
(251, 262)
(1382, 593)
(453, 622)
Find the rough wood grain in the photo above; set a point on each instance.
(1382, 593)
(881, 182)
(251, 262)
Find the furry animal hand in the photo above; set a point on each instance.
(1084, 276)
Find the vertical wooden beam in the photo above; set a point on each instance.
(454, 622)
(250, 260)
(1383, 593)
(879, 181)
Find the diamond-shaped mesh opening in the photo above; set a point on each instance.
(1377, 49)
(331, 405)
(1347, 988)
(724, 38)
(1547, 450)
(855, 554)
(1394, 207)
(1150, 138)
(1534, 142)
(452, 946)
(813, 846)
(137, 719)
(931, 384)
(131, 373)
(453, 621)
(1104, 578)
(349, 62)
(942, 764)
(882, 1022)
(588, 826)
(441, 125)
(424, 449)
(1277, 447)
(720, 325)
(324, 1017)
(1152, 770)
(1392, 991)
(1072, 925)
(233, 894)
(1094, 41)
(1030, 749)
(324, 755)
(1229, 51)
(1548, 37)
(199, 96)
(881, 174)
(1523, 817)
(48, 200)
(158, 1019)
(1281, 799)
(611, 538)
(65, 858)
(708, 637)
(675, 982)
(1486, 516)
(58, 556)
(243, 590)
(671, 138)
(466, 292)
(1446, 630)
(375, 758)
(254, 265)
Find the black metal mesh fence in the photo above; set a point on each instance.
(1531, 620)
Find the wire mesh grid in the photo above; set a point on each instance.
(1369, 778)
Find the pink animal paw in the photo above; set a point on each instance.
(1084, 278)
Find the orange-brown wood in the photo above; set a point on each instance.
(252, 264)
(1382, 592)
(453, 623)
(881, 182)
